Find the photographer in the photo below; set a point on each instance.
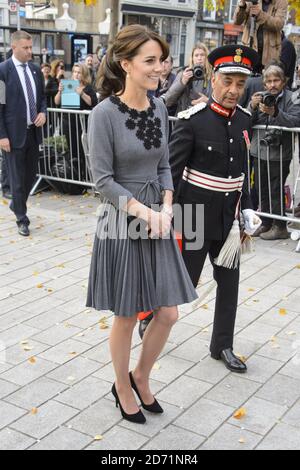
(265, 19)
(192, 85)
(275, 107)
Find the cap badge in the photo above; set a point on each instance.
(238, 57)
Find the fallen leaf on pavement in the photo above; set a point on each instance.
(239, 414)
(242, 358)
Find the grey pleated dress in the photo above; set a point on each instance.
(129, 158)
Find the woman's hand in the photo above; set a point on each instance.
(186, 76)
(159, 224)
(168, 210)
(60, 74)
(79, 90)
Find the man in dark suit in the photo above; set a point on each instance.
(22, 116)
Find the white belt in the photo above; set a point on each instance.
(213, 183)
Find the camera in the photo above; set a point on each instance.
(268, 99)
(198, 72)
(272, 138)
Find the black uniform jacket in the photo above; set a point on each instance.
(214, 144)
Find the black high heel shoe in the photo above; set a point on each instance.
(133, 418)
(154, 407)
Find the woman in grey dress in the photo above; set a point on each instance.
(130, 165)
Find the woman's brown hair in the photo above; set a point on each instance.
(111, 77)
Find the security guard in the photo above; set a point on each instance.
(208, 156)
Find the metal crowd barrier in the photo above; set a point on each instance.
(289, 187)
(64, 156)
(65, 159)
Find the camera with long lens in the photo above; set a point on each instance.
(268, 99)
(198, 72)
(272, 138)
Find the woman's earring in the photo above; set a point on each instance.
(128, 75)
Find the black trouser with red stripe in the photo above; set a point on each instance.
(227, 291)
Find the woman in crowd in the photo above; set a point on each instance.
(88, 97)
(192, 85)
(51, 84)
(58, 69)
(71, 124)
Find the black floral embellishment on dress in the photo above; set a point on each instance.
(140, 134)
(123, 108)
(130, 124)
(148, 129)
(134, 114)
(142, 124)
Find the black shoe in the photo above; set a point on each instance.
(231, 361)
(138, 417)
(23, 230)
(6, 195)
(154, 407)
(144, 324)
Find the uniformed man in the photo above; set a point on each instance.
(208, 156)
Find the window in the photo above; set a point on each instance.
(233, 4)
(209, 10)
(210, 37)
(170, 32)
(152, 22)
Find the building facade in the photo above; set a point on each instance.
(175, 20)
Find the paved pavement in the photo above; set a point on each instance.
(55, 369)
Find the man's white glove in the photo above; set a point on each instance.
(251, 220)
